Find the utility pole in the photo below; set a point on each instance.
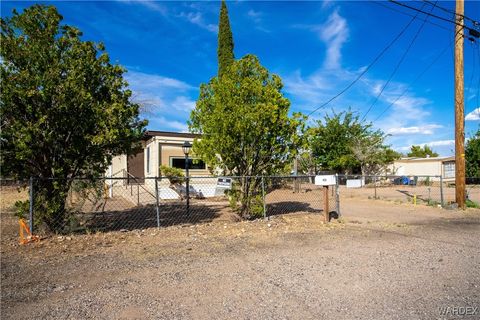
(459, 108)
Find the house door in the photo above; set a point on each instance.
(136, 168)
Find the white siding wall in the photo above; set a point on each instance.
(420, 168)
(119, 163)
(153, 145)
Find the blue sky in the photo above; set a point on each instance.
(318, 48)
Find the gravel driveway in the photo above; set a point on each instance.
(380, 261)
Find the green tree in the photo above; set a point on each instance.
(472, 156)
(373, 156)
(65, 110)
(245, 124)
(344, 144)
(419, 152)
(225, 41)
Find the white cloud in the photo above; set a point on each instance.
(327, 3)
(408, 106)
(440, 143)
(197, 19)
(152, 5)
(426, 129)
(311, 89)
(146, 80)
(403, 114)
(256, 17)
(473, 116)
(183, 103)
(437, 143)
(320, 86)
(168, 124)
(166, 102)
(334, 32)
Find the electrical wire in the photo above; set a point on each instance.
(474, 58)
(397, 66)
(380, 3)
(432, 15)
(367, 68)
(451, 11)
(478, 85)
(413, 82)
(449, 45)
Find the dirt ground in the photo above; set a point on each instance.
(380, 260)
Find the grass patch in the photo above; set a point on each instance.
(472, 204)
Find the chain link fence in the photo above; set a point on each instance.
(127, 203)
(427, 190)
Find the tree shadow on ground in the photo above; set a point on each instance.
(173, 213)
(286, 207)
(143, 217)
(289, 207)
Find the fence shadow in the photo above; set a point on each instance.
(410, 196)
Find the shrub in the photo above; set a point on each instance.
(174, 175)
(247, 201)
(472, 204)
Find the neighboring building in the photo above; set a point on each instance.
(159, 148)
(434, 166)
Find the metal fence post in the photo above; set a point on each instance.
(263, 198)
(337, 194)
(156, 200)
(138, 194)
(30, 210)
(441, 192)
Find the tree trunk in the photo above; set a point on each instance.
(49, 204)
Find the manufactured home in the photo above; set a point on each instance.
(433, 166)
(159, 148)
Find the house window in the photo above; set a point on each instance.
(148, 159)
(449, 170)
(193, 164)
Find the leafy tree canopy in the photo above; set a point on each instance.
(418, 151)
(472, 156)
(245, 122)
(65, 110)
(344, 144)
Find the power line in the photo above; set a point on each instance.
(367, 68)
(478, 85)
(451, 11)
(449, 45)
(433, 15)
(396, 67)
(380, 3)
(413, 82)
(474, 58)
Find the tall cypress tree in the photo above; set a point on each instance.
(225, 41)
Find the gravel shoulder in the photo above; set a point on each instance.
(380, 261)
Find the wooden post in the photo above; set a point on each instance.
(459, 109)
(325, 204)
